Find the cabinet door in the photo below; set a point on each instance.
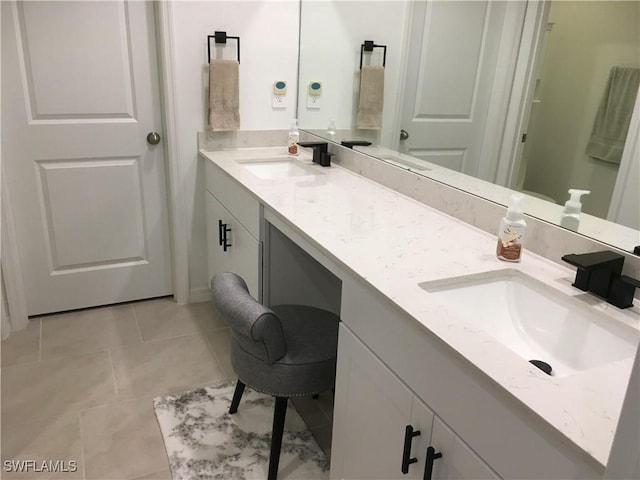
(372, 409)
(458, 461)
(243, 256)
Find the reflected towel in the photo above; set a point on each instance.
(224, 98)
(614, 115)
(371, 98)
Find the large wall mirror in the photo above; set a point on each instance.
(490, 97)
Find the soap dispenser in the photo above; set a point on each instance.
(294, 138)
(571, 214)
(512, 230)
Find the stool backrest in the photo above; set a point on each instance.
(256, 328)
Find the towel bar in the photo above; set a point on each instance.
(220, 37)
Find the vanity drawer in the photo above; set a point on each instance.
(235, 198)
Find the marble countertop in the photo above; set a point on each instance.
(394, 243)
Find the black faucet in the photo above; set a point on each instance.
(601, 274)
(622, 291)
(321, 154)
(595, 270)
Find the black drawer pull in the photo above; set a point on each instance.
(428, 467)
(220, 230)
(406, 452)
(222, 235)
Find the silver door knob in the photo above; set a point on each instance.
(153, 138)
(404, 134)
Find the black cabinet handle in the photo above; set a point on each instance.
(225, 243)
(428, 467)
(406, 452)
(222, 235)
(220, 230)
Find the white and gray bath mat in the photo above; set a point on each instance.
(204, 441)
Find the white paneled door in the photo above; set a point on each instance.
(451, 67)
(80, 93)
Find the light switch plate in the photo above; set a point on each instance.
(279, 94)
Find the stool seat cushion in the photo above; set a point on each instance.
(309, 364)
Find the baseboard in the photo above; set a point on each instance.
(197, 295)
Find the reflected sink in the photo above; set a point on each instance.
(278, 167)
(535, 321)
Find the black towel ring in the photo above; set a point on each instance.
(220, 38)
(368, 46)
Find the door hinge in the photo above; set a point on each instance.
(524, 137)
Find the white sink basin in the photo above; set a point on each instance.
(535, 321)
(279, 167)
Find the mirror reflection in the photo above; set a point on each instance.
(490, 97)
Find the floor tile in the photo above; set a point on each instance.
(72, 395)
(51, 440)
(162, 475)
(48, 389)
(122, 441)
(163, 318)
(22, 346)
(220, 342)
(88, 331)
(164, 366)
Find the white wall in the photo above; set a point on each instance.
(588, 38)
(332, 33)
(268, 31)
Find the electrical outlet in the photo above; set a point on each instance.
(314, 95)
(279, 94)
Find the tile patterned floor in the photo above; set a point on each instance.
(79, 387)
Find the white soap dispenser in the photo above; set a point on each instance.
(571, 214)
(511, 232)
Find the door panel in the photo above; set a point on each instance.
(448, 78)
(77, 227)
(79, 94)
(84, 50)
(451, 66)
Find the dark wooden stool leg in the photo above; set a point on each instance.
(237, 395)
(279, 415)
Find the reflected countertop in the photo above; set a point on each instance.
(590, 226)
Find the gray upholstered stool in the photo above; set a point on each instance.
(284, 351)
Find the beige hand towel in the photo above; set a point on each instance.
(371, 97)
(224, 97)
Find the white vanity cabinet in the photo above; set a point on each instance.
(458, 460)
(233, 230)
(374, 418)
(383, 351)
